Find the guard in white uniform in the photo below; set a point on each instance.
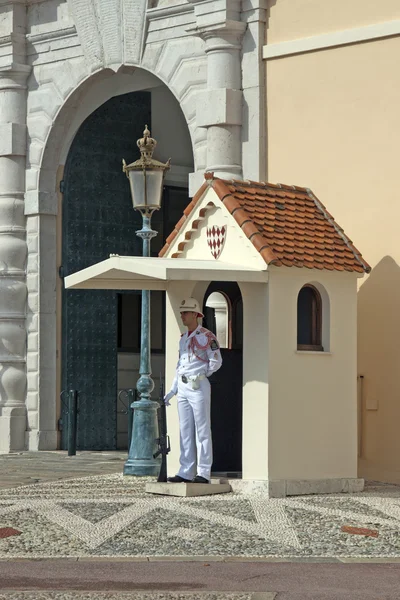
(199, 357)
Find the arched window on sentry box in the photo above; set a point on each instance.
(309, 319)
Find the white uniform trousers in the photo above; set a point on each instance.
(195, 429)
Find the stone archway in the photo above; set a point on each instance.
(44, 225)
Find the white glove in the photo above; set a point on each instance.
(168, 397)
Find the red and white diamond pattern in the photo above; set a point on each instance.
(216, 239)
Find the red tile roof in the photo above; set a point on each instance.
(288, 225)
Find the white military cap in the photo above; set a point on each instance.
(190, 305)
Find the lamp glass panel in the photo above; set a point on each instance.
(154, 188)
(137, 182)
(146, 187)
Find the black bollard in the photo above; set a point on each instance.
(72, 421)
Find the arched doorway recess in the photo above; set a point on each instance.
(223, 310)
(100, 329)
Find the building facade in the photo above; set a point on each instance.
(303, 92)
(332, 96)
(78, 82)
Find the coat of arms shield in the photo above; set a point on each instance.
(216, 236)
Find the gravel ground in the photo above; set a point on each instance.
(111, 515)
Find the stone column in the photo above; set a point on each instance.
(13, 250)
(219, 108)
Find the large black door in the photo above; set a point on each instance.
(227, 382)
(98, 219)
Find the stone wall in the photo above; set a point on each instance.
(207, 52)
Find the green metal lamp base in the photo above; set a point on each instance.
(141, 468)
(143, 442)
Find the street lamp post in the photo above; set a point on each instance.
(146, 182)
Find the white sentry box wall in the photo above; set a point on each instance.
(255, 372)
(313, 395)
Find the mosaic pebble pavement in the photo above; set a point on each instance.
(111, 515)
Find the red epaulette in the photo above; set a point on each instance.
(208, 333)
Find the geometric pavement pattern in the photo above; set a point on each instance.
(111, 515)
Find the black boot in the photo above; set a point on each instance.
(200, 479)
(178, 479)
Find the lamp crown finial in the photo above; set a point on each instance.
(146, 144)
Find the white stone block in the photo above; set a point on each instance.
(353, 486)
(45, 99)
(32, 266)
(12, 139)
(249, 486)
(32, 282)
(189, 74)
(32, 326)
(281, 488)
(219, 107)
(176, 51)
(32, 178)
(35, 151)
(41, 203)
(32, 225)
(61, 74)
(188, 489)
(33, 302)
(32, 401)
(302, 487)
(32, 361)
(33, 243)
(33, 382)
(33, 420)
(38, 126)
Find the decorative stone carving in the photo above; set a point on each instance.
(110, 31)
(13, 249)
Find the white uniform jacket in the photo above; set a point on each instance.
(199, 356)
